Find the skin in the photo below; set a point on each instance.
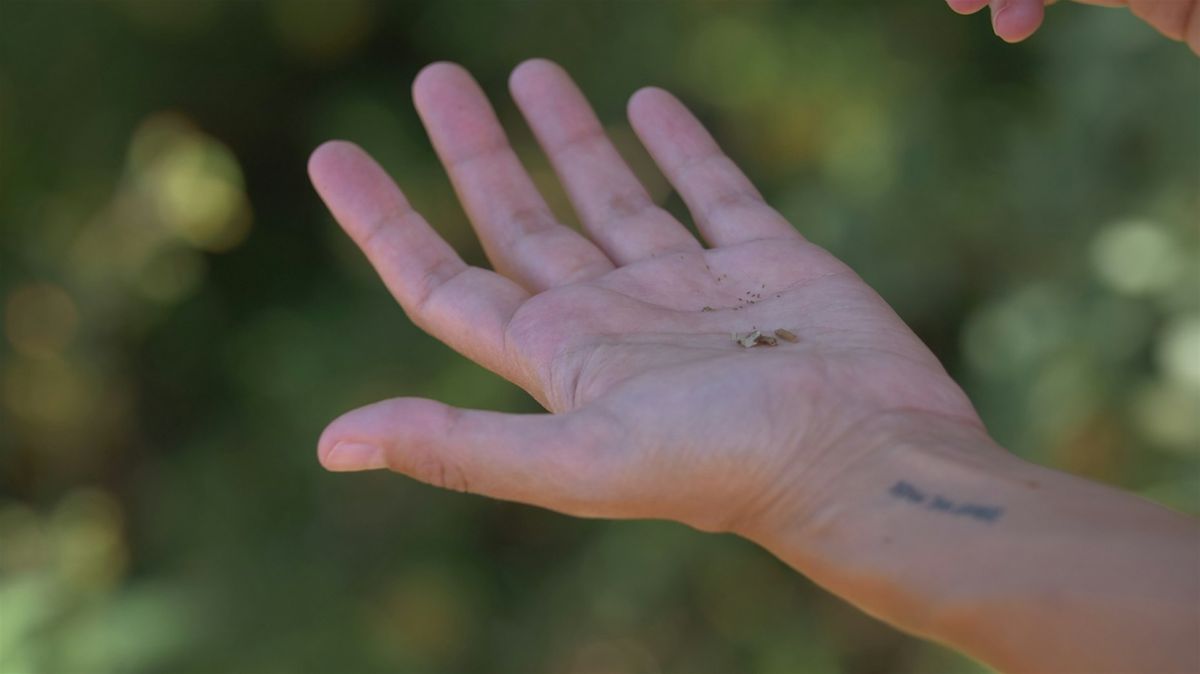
(1016, 20)
(623, 333)
(610, 333)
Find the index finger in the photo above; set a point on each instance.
(466, 307)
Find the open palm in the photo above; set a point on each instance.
(625, 334)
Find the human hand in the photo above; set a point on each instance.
(849, 453)
(625, 335)
(1015, 20)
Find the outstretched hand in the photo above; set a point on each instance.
(624, 333)
(1015, 20)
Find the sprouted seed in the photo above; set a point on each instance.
(748, 339)
(756, 337)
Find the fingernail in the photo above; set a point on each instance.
(351, 456)
(1015, 21)
(998, 7)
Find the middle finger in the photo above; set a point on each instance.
(519, 233)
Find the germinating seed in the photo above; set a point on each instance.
(757, 338)
(747, 340)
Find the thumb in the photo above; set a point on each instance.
(547, 460)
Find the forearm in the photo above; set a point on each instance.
(1024, 568)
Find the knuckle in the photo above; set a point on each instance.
(582, 142)
(434, 471)
(731, 200)
(525, 221)
(430, 460)
(627, 204)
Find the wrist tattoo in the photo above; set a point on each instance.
(905, 491)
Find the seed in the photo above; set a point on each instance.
(707, 308)
(787, 335)
(753, 338)
(747, 340)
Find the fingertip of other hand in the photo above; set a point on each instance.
(967, 6)
(1016, 21)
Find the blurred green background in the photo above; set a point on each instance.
(181, 316)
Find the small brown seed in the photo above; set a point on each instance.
(787, 335)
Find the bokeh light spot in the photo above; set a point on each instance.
(1166, 414)
(25, 547)
(47, 391)
(193, 182)
(40, 319)
(1136, 257)
(1018, 331)
(87, 529)
(1179, 351)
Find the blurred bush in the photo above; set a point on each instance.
(181, 317)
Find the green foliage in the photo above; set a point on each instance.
(181, 317)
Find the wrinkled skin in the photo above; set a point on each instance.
(624, 333)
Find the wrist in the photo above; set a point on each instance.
(864, 524)
(865, 461)
(943, 534)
